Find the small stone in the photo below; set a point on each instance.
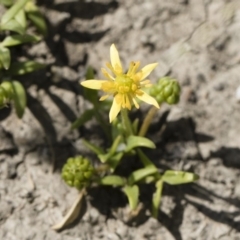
(6, 209)
(238, 94)
(94, 215)
(219, 87)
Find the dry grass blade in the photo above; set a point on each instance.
(72, 214)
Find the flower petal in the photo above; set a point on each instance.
(104, 97)
(93, 84)
(148, 99)
(135, 103)
(115, 109)
(106, 74)
(147, 70)
(114, 57)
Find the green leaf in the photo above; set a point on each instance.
(136, 141)
(14, 26)
(21, 68)
(90, 73)
(144, 159)
(38, 20)
(5, 57)
(115, 145)
(19, 39)
(21, 18)
(6, 3)
(90, 95)
(114, 161)
(140, 174)
(36, 17)
(93, 147)
(85, 117)
(132, 193)
(113, 180)
(179, 177)
(106, 156)
(157, 198)
(19, 98)
(13, 11)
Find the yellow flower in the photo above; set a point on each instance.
(124, 87)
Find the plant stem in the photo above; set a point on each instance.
(144, 159)
(126, 122)
(147, 121)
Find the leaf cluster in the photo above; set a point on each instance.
(14, 27)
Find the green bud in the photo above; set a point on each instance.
(78, 172)
(7, 86)
(166, 90)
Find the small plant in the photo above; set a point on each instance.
(127, 137)
(14, 31)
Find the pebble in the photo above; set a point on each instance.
(6, 209)
(238, 94)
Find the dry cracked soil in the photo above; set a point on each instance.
(194, 41)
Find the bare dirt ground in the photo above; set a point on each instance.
(194, 41)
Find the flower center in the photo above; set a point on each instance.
(124, 84)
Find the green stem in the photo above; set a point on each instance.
(126, 122)
(147, 121)
(144, 159)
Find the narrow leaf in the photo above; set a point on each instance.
(114, 161)
(38, 20)
(157, 198)
(132, 193)
(21, 18)
(14, 26)
(106, 156)
(85, 117)
(6, 3)
(179, 177)
(115, 144)
(90, 95)
(36, 17)
(93, 147)
(72, 214)
(89, 73)
(144, 159)
(136, 141)
(19, 98)
(21, 68)
(140, 174)
(19, 39)
(12, 12)
(113, 180)
(5, 57)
